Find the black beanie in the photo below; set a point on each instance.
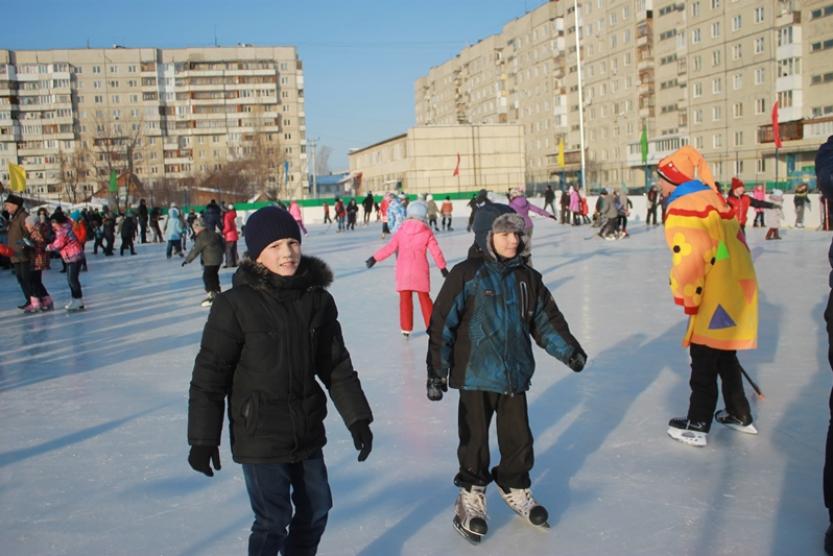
(14, 199)
(268, 225)
(484, 217)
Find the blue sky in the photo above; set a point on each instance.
(360, 57)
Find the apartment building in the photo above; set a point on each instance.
(705, 72)
(70, 117)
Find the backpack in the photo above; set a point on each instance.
(79, 230)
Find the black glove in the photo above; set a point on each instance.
(184, 263)
(362, 438)
(577, 360)
(201, 456)
(370, 262)
(444, 272)
(435, 387)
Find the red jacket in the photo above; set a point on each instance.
(230, 226)
(740, 205)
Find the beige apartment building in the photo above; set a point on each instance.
(704, 72)
(178, 116)
(424, 160)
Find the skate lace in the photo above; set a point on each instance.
(474, 502)
(521, 498)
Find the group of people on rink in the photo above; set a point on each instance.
(274, 337)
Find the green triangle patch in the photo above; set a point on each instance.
(722, 252)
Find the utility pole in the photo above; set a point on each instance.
(313, 144)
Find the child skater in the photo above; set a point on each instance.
(209, 246)
(479, 342)
(713, 279)
(410, 243)
(265, 343)
(775, 215)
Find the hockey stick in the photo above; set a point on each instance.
(754, 386)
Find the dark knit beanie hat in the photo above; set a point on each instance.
(14, 199)
(268, 225)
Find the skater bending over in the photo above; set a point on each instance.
(713, 279)
(479, 343)
(209, 246)
(269, 344)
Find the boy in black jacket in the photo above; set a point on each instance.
(210, 247)
(479, 342)
(266, 341)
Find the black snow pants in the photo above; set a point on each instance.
(706, 365)
(513, 435)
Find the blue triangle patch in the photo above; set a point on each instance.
(721, 319)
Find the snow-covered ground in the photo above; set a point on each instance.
(93, 411)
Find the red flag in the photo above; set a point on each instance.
(457, 168)
(776, 132)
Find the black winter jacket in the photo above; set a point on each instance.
(209, 245)
(265, 342)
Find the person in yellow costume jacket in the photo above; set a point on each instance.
(713, 279)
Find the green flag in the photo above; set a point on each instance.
(114, 182)
(643, 141)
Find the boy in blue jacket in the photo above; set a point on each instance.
(479, 342)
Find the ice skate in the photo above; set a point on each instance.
(741, 425)
(34, 305)
(470, 513)
(523, 504)
(74, 305)
(406, 333)
(693, 433)
(46, 304)
(208, 300)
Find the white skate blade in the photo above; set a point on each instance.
(692, 438)
(748, 429)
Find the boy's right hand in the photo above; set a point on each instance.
(436, 387)
(577, 360)
(201, 457)
(370, 262)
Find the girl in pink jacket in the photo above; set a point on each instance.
(410, 243)
(295, 211)
(72, 252)
(759, 193)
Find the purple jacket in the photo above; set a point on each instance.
(522, 206)
(410, 243)
(66, 244)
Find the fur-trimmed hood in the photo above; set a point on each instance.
(312, 272)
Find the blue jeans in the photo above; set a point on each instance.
(269, 486)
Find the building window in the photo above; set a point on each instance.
(698, 63)
(737, 23)
(738, 167)
(715, 29)
(759, 76)
(760, 106)
(737, 110)
(698, 142)
(697, 90)
(759, 45)
(737, 81)
(737, 51)
(695, 9)
(821, 45)
(715, 4)
(695, 36)
(697, 116)
(717, 113)
(96, 69)
(759, 15)
(761, 165)
(785, 35)
(789, 66)
(785, 99)
(717, 86)
(738, 138)
(715, 58)
(822, 12)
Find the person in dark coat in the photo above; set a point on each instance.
(479, 342)
(210, 248)
(154, 215)
(367, 205)
(269, 344)
(564, 202)
(824, 179)
(143, 221)
(212, 215)
(549, 199)
(21, 258)
(128, 232)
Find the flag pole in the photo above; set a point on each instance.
(580, 95)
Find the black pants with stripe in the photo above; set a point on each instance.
(706, 365)
(513, 435)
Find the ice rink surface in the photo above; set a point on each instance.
(93, 405)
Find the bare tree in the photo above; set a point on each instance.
(259, 155)
(75, 170)
(115, 147)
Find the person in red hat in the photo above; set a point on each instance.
(741, 202)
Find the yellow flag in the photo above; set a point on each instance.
(561, 153)
(17, 177)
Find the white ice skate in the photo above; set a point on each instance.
(726, 418)
(523, 504)
(208, 300)
(74, 305)
(688, 432)
(470, 513)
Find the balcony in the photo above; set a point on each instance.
(790, 131)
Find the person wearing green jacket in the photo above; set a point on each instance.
(209, 246)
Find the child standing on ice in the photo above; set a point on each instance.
(713, 279)
(775, 215)
(209, 246)
(269, 344)
(479, 342)
(410, 244)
